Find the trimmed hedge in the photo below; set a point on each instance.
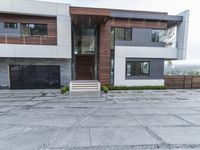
(112, 88)
(104, 89)
(64, 90)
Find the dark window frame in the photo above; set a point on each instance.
(141, 73)
(29, 29)
(8, 27)
(125, 33)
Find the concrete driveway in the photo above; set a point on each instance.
(121, 120)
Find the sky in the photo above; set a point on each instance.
(173, 7)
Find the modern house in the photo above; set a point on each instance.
(48, 45)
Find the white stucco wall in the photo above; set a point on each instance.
(34, 51)
(123, 52)
(182, 35)
(146, 52)
(32, 7)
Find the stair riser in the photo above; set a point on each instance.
(84, 86)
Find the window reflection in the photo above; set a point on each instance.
(137, 68)
(123, 34)
(85, 41)
(34, 29)
(158, 35)
(168, 36)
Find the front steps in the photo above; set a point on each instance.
(85, 88)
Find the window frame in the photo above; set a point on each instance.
(125, 33)
(29, 29)
(5, 25)
(141, 74)
(153, 29)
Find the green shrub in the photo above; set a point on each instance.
(105, 89)
(64, 90)
(136, 88)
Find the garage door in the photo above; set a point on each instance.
(34, 77)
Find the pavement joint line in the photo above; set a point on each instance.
(132, 147)
(195, 109)
(128, 126)
(184, 119)
(36, 126)
(153, 134)
(90, 137)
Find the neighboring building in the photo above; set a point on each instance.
(46, 45)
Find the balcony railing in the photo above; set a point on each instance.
(27, 39)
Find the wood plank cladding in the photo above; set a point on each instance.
(138, 24)
(104, 53)
(51, 22)
(182, 82)
(89, 11)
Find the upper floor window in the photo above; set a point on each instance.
(34, 29)
(137, 68)
(123, 34)
(10, 25)
(158, 36)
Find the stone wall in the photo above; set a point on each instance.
(65, 68)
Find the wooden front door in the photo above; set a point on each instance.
(85, 67)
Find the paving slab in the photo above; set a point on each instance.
(195, 119)
(178, 135)
(26, 138)
(162, 111)
(77, 137)
(121, 120)
(111, 112)
(110, 121)
(167, 120)
(121, 136)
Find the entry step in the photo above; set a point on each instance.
(85, 88)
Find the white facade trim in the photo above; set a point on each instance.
(34, 51)
(182, 35)
(32, 7)
(150, 82)
(145, 52)
(123, 52)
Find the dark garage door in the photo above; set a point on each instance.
(34, 77)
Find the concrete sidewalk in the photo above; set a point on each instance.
(121, 120)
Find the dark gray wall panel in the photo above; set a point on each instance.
(140, 37)
(156, 68)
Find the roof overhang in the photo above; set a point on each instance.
(92, 16)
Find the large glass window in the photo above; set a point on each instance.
(137, 68)
(158, 35)
(34, 29)
(85, 41)
(123, 34)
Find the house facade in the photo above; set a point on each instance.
(48, 45)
